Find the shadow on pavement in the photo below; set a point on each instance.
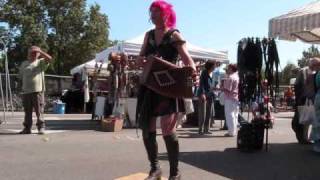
(10, 133)
(283, 161)
(193, 133)
(196, 135)
(72, 125)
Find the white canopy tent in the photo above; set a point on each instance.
(133, 46)
(90, 67)
(302, 23)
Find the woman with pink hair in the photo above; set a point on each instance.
(166, 42)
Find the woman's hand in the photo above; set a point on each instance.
(216, 89)
(195, 77)
(141, 60)
(203, 97)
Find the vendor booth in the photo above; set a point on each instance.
(87, 77)
(89, 67)
(304, 24)
(132, 48)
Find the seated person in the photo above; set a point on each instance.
(289, 96)
(262, 108)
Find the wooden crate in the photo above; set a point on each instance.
(111, 124)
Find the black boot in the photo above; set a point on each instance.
(151, 145)
(172, 145)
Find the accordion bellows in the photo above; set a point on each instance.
(167, 79)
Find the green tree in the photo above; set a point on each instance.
(27, 25)
(114, 42)
(2, 46)
(2, 58)
(70, 32)
(311, 52)
(96, 32)
(288, 72)
(66, 21)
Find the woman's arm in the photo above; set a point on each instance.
(141, 58)
(182, 50)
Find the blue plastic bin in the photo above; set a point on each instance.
(59, 108)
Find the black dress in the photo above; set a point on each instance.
(151, 104)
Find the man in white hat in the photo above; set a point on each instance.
(33, 86)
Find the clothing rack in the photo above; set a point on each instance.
(258, 60)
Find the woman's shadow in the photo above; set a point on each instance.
(282, 161)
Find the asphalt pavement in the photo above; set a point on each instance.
(75, 148)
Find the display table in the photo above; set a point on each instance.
(99, 106)
(130, 110)
(192, 119)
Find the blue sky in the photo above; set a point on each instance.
(214, 24)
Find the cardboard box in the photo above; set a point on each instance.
(112, 124)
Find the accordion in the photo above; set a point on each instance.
(167, 79)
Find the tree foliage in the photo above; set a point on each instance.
(288, 72)
(67, 29)
(4, 40)
(311, 52)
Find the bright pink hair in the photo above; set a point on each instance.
(166, 11)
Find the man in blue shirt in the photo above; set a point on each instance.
(206, 97)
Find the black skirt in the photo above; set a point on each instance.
(151, 104)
